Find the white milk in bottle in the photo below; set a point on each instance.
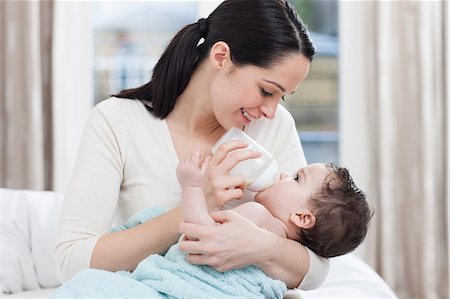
(260, 173)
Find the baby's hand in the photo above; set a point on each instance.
(190, 172)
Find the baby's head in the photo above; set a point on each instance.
(341, 213)
(321, 207)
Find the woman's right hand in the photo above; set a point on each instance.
(219, 186)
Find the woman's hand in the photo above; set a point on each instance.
(234, 243)
(219, 186)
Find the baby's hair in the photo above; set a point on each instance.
(342, 216)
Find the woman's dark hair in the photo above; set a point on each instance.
(258, 32)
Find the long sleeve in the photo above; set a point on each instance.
(317, 272)
(126, 163)
(93, 191)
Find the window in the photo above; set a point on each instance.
(128, 43)
(315, 105)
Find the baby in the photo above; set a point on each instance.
(319, 206)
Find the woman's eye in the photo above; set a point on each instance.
(265, 93)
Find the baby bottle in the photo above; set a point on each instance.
(260, 173)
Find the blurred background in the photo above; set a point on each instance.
(125, 53)
(376, 101)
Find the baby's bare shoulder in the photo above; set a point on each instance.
(254, 211)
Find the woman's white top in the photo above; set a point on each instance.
(127, 162)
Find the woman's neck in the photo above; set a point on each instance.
(192, 123)
(193, 114)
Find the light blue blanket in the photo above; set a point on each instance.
(170, 276)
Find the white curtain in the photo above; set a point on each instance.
(45, 90)
(26, 135)
(73, 83)
(395, 136)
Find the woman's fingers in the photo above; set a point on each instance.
(225, 148)
(224, 183)
(192, 247)
(218, 185)
(225, 216)
(230, 161)
(209, 232)
(205, 248)
(234, 243)
(198, 259)
(196, 231)
(234, 158)
(221, 190)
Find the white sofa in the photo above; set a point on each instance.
(28, 270)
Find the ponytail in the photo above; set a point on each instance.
(258, 32)
(173, 71)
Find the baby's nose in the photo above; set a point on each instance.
(284, 175)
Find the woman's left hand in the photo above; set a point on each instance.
(234, 243)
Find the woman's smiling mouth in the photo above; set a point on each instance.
(247, 116)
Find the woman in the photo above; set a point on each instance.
(229, 70)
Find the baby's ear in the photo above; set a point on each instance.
(304, 219)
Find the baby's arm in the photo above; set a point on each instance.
(259, 215)
(190, 174)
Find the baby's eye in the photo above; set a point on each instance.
(283, 98)
(297, 177)
(265, 93)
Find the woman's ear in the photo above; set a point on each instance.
(304, 219)
(220, 55)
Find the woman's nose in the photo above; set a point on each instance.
(268, 109)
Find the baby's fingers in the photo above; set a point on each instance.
(195, 156)
(205, 164)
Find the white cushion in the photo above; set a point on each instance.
(350, 277)
(40, 293)
(28, 236)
